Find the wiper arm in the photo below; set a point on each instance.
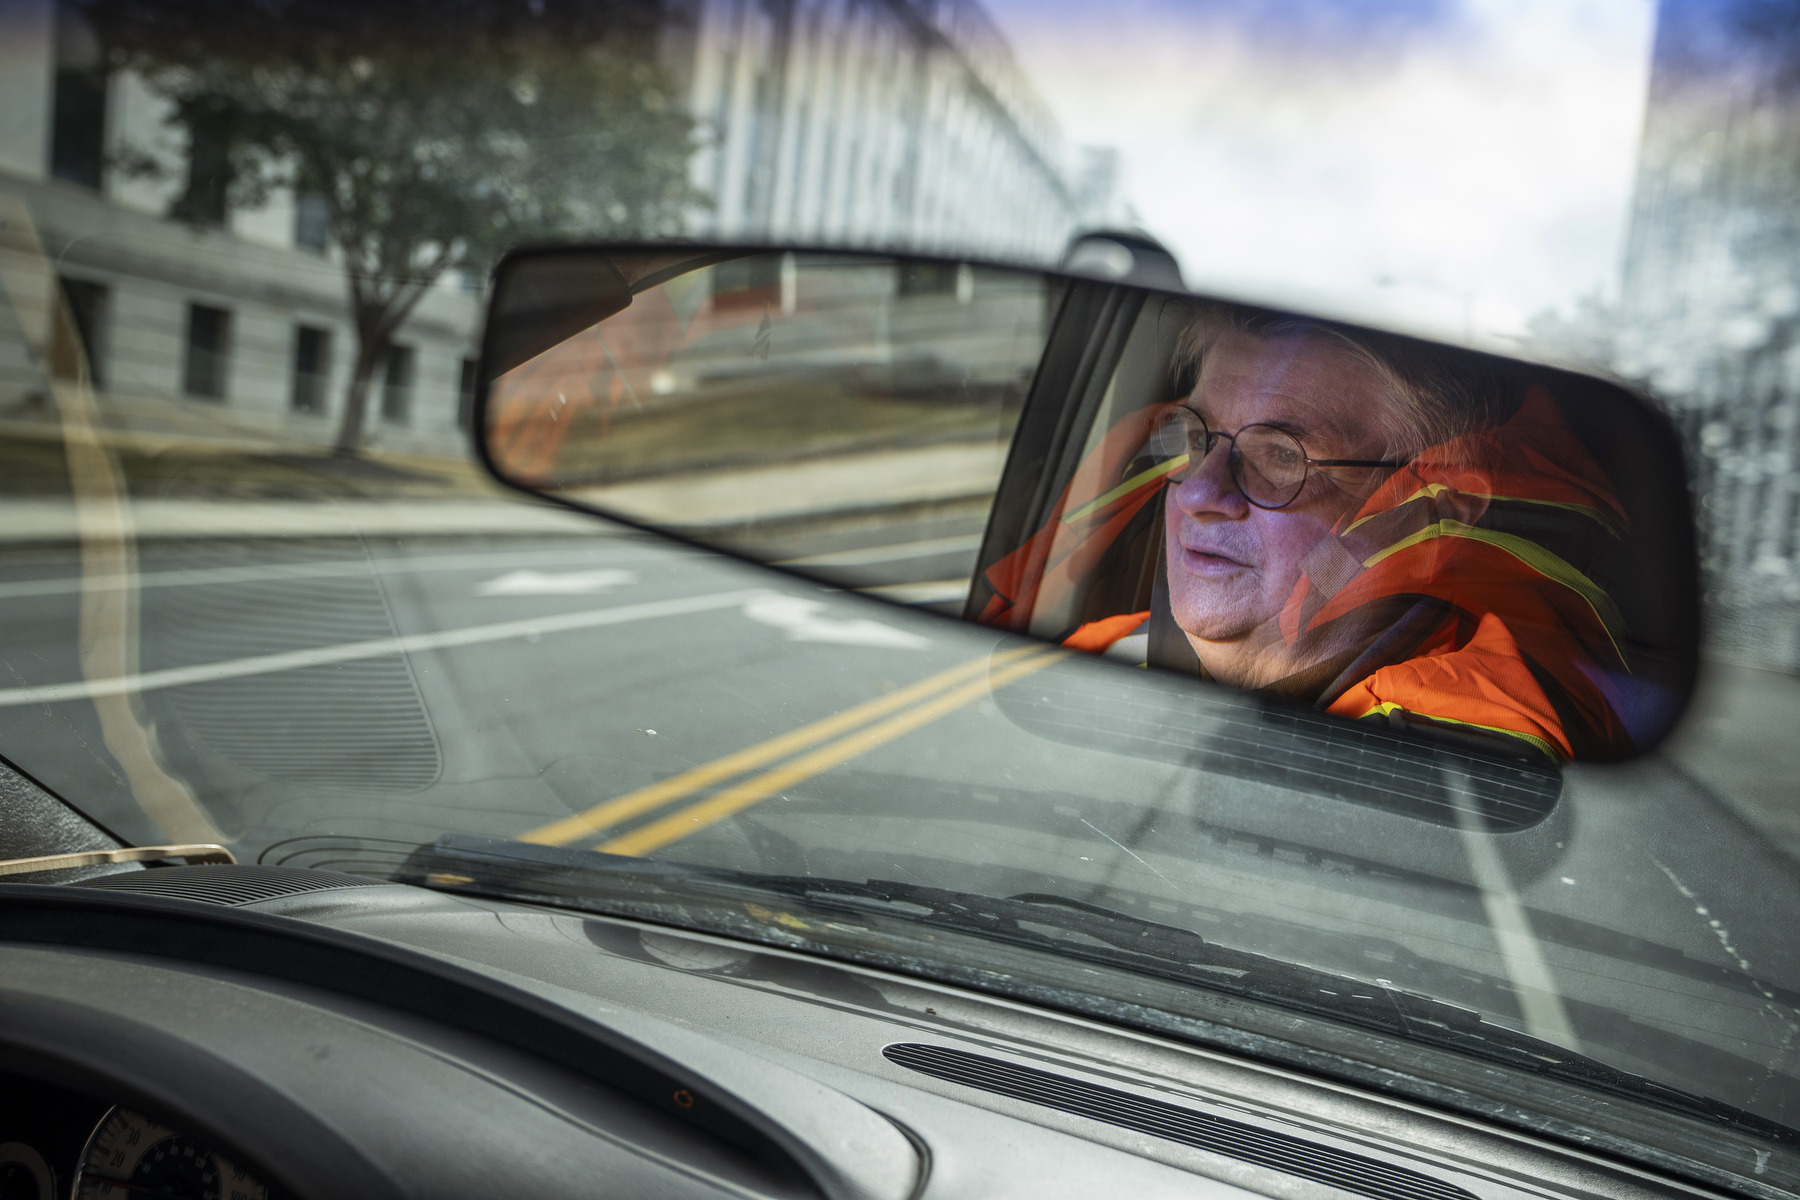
(1065, 926)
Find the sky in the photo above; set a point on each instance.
(1447, 166)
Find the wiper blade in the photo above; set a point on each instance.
(1065, 926)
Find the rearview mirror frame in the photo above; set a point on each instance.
(1056, 408)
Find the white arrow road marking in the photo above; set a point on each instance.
(564, 583)
(267, 664)
(801, 619)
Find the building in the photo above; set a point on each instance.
(226, 323)
(1709, 316)
(870, 122)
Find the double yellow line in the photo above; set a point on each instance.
(864, 729)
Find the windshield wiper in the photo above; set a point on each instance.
(1064, 926)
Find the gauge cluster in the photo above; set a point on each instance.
(60, 1145)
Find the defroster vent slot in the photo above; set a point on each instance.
(1203, 1131)
(233, 885)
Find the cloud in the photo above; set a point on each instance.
(1448, 165)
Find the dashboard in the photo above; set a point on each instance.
(255, 1031)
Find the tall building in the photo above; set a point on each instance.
(1710, 302)
(869, 122)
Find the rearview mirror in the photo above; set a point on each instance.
(1366, 530)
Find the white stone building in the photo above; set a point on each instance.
(237, 329)
(859, 122)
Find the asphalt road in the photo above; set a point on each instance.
(335, 701)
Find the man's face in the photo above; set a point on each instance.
(1232, 565)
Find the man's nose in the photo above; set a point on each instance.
(1211, 489)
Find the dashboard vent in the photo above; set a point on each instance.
(227, 884)
(1203, 1131)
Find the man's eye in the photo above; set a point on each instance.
(1170, 441)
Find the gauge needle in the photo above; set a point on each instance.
(90, 1177)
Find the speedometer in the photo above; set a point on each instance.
(129, 1156)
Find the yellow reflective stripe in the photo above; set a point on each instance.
(1130, 485)
(1433, 490)
(1533, 556)
(1388, 706)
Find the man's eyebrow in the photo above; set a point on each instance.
(1293, 427)
(1316, 428)
(1306, 434)
(1285, 424)
(1298, 427)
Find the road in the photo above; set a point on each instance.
(335, 701)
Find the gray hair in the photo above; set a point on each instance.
(1433, 394)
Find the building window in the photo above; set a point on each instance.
(204, 372)
(396, 385)
(209, 175)
(87, 312)
(78, 115)
(312, 222)
(927, 279)
(465, 395)
(312, 367)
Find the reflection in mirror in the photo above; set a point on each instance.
(1492, 555)
(1357, 523)
(845, 414)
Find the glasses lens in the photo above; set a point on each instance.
(1179, 433)
(1270, 465)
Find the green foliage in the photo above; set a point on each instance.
(438, 132)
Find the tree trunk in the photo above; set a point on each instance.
(377, 317)
(369, 353)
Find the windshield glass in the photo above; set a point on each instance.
(256, 590)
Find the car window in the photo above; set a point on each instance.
(255, 589)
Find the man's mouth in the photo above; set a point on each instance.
(1205, 559)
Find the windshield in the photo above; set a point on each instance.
(256, 590)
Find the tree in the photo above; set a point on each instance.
(437, 132)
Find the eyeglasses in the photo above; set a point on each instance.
(1268, 464)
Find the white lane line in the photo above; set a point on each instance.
(881, 554)
(1540, 1004)
(336, 568)
(559, 583)
(333, 568)
(265, 664)
(930, 591)
(803, 620)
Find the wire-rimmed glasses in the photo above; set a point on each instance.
(1268, 464)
